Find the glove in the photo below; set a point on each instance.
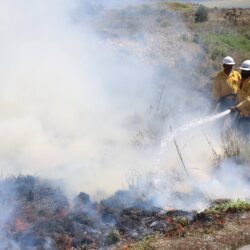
(233, 109)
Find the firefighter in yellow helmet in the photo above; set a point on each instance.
(225, 84)
(243, 99)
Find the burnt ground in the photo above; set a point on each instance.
(234, 232)
(37, 215)
(230, 231)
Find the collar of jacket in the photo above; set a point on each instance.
(231, 73)
(247, 79)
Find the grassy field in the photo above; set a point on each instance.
(219, 36)
(218, 45)
(240, 42)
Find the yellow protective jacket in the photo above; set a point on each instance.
(224, 84)
(243, 98)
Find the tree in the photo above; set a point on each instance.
(201, 14)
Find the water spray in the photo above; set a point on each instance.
(193, 124)
(170, 136)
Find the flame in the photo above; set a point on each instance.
(125, 247)
(167, 208)
(169, 219)
(20, 225)
(62, 213)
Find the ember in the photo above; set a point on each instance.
(42, 216)
(20, 225)
(44, 220)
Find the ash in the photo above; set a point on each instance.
(37, 215)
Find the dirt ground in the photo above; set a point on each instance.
(234, 232)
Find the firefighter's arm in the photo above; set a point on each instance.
(244, 106)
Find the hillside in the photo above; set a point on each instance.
(170, 37)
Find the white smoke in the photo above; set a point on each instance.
(66, 98)
(72, 102)
(230, 181)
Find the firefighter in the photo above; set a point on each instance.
(243, 99)
(225, 85)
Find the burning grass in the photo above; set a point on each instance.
(41, 217)
(37, 215)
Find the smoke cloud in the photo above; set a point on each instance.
(66, 97)
(87, 110)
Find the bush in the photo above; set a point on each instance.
(113, 237)
(235, 206)
(247, 35)
(218, 52)
(201, 14)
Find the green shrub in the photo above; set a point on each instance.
(232, 206)
(218, 52)
(201, 14)
(113, 237)
(247, 35)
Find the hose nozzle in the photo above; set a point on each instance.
(233, 109)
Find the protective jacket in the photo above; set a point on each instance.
(243, 97)
(224, 85)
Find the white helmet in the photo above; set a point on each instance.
(228, 60)
(245, 65)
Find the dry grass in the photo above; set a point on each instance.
(235, 146)
(179, 7)
(234, 233)
(231, 144)
(148, 243)
(219, 37)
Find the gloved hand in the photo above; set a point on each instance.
(233, 109)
